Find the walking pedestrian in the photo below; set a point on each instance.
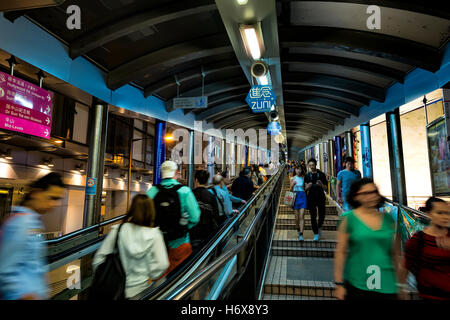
(177, 211)
(141, 246)
(298, 186)
(209, 218)
(315, 185)
(23, 265)
(367, 257)
(427, 253)
(344, 180)
(243, 186)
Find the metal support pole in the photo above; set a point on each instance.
(223, 154)
(349, 143)
(366, 150)
(338, 150)
(331, 157)
(321, 162)
(160, 150)
(130, 163)
(191, 164)
(395, 147)
(210, 158)
(95, 171)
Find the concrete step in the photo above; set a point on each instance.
(308, 235)
(308, 226)
(303, 252)
(329, 210)
(325, 244)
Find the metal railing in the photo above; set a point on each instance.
(248, 258)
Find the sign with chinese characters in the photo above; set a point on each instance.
(24, 107)
(190, 102)
(261, 98)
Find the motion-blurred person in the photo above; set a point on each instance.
(223, 198)
(427, 254)
(315, 185)
(298, 186)
(141, 246)
(177, 211)
(345, 178)
(243, 186)
(209, 217)
(367, 257)
(263, 173)
(23, 265)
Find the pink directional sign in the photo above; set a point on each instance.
(24, 107)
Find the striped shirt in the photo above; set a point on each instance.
(431, 266)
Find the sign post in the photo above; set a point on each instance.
(261, 98)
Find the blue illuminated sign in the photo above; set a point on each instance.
(273, 128)
(261, 98)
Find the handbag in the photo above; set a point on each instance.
(110, 277)
(289, 198)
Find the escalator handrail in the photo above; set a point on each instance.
(154, 292)
(417, 213)
(83, 231)
(211, 269)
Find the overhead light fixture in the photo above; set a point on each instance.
(242, 2)
(59, 141)
(80, 168)
(253, 41)
(169, 137)
(48, 162)
(6, 155)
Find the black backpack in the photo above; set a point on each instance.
(109, 277)
(169, 218)
(208, 222)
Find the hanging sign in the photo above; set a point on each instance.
(24, 107)
(190, 102)
(274, 128)
(261, 98)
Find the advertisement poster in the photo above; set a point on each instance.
(438, 150)
(24, 107)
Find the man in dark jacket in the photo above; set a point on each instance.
(243, 186)
(315, 185)
(209, 217)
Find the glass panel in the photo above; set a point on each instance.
(80, 123)
(415, 155)
(435, 111)
(378, 120)
(137, 146)
(380, 159)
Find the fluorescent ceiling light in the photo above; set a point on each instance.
(252, 42)
(242, 2)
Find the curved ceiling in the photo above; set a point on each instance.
(331, 63)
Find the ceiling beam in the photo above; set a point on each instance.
(166, 59)
(322, 103)
(187, 76)
(325, 92)
(110, 32)
(223, 108)
(336, 83)
(365, 42)
(374, 69)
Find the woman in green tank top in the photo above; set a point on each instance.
(367, 252)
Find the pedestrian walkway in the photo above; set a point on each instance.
(302, 270)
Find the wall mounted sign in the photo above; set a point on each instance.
(25, 107)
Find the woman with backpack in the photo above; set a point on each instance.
(298, 186)
(427, 254)
(141, 246)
